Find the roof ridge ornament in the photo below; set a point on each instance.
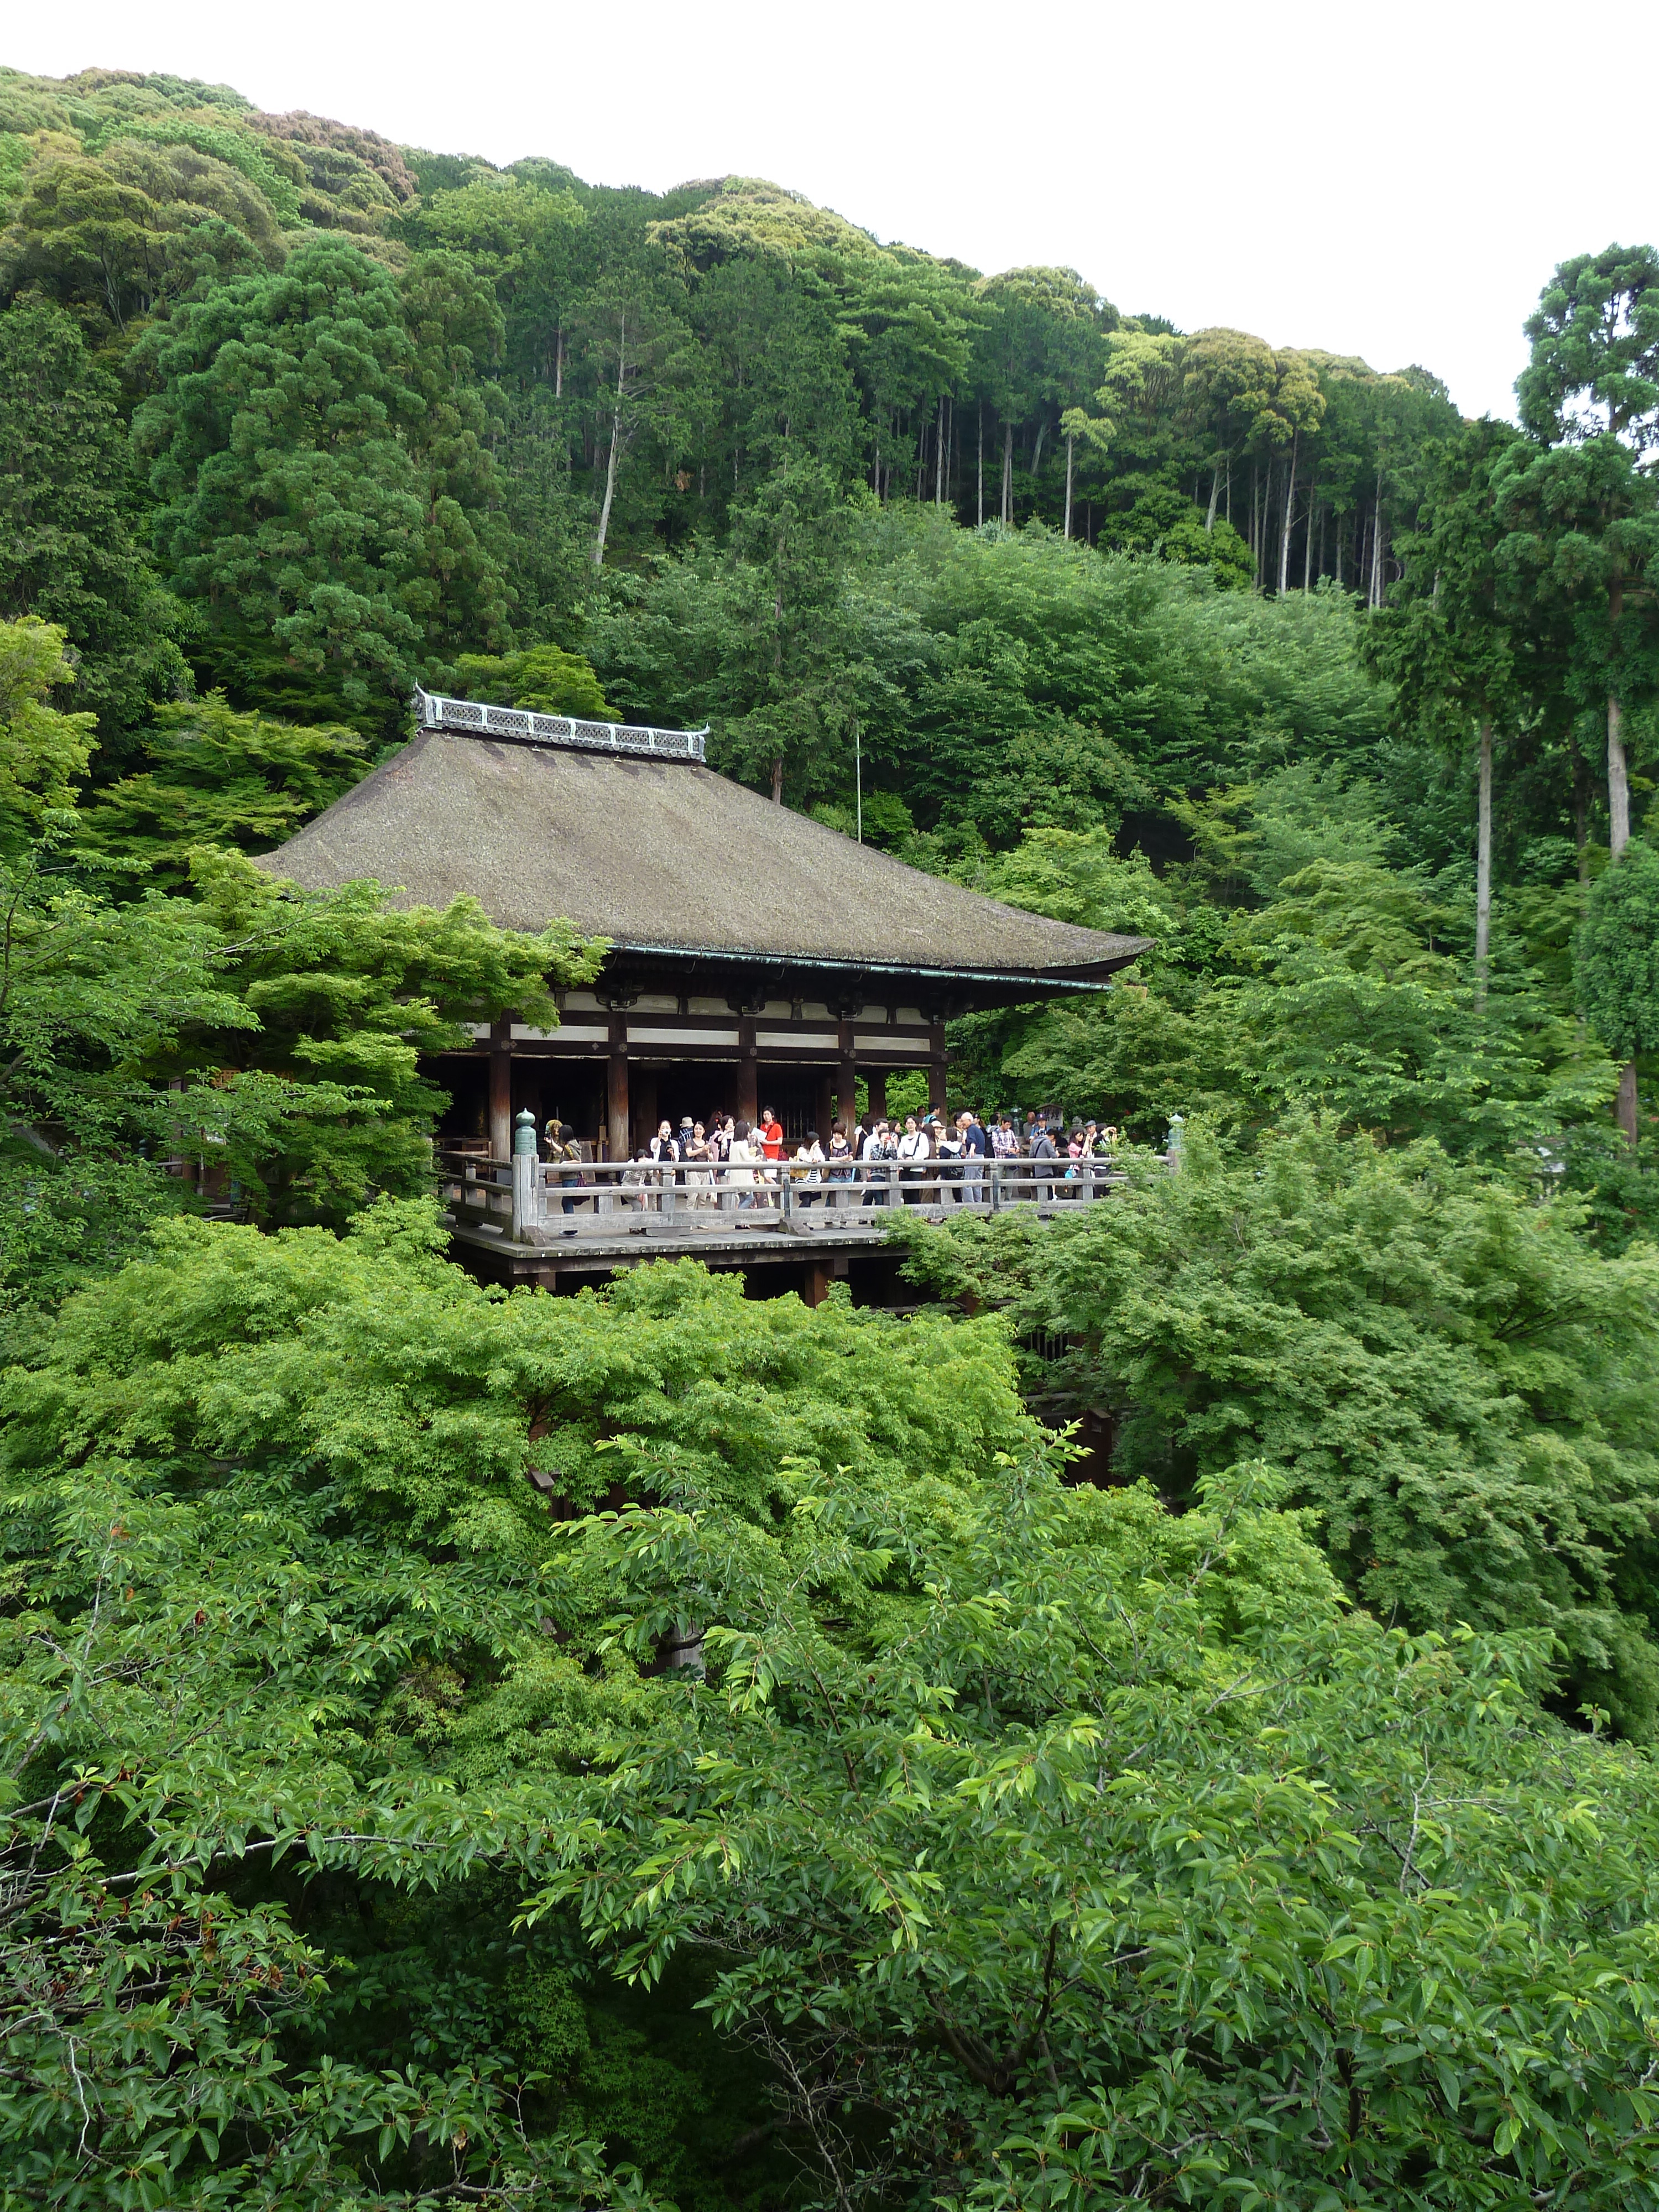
(521, 726)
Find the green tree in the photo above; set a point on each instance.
(1102, 1859)
(115, 239)
(1590, 392)
(217, 777)
(1614, 967)
(68, 553)
(300, 503)
(1437, 1365)
(1443, 642)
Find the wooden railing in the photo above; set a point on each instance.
(605, 1198)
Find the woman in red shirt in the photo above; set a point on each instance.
(769, 1137)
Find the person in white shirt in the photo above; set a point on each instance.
(810, 1156)
(740, 1158)
(913, 1151)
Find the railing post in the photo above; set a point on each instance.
(524, 1194)
(995, 1167)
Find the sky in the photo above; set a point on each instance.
(1395, 180)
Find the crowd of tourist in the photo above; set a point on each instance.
(920, 1158)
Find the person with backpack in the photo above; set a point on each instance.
(1045, 1160)
(946, 1136)
(566, 1153)
(976, 1149)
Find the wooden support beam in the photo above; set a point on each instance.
(500, 1090)
(818, 1282)
(847, 1081)
(938, 1096)
(748, 1073)
(826, 1111)
(616, 1099)
(875, 1080)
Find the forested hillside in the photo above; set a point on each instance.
(827, 1799)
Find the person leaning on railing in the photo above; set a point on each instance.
(946, 1138)
(564, 1152)
(741, 1156)
(913, 1152)
(880, 1150)
(975, 1146)
(698, 1151)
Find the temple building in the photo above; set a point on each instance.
(759, 958)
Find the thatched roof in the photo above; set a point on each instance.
(665, 858)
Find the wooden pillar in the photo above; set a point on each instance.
(826, 1114)
(937, 1096)
(748, 1108)
(817, 1288)
(615, 1103)
(847, 1082)
(500, 1090)
(875, 1081)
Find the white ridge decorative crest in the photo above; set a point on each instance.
(519, 726)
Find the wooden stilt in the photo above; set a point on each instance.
(500, 1090)
(748, 1073)
(615, 1103)
(937, 1090)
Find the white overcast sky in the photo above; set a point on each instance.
(1395, 179)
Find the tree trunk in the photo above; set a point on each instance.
(1290, 509)
(1215, 495)
(1308, 536)
(616, 444)
(981, 464)
(777, 781)
(1376, 547)
(938, 457)
(1618, 778)
(1618, 766)
(1007, 476)
(1625, 1107)
(558, 362)
(1037, 456)
(1070, 443)
(1483, 867)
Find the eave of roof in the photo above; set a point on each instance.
(669, 861)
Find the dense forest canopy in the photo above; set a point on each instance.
(827, 1799)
